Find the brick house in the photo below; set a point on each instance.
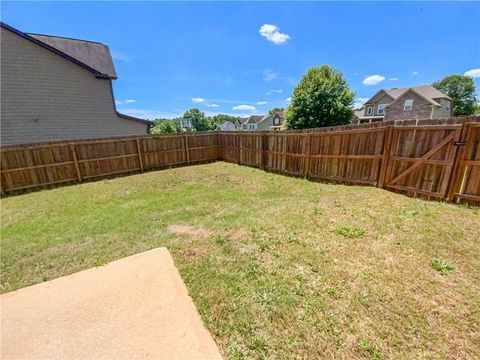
(419, 102)
(56, 88)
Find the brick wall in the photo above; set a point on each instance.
(421, 108)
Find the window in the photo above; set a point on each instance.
(369, 110)
(251, 126)
(408, 105)
(381, 109)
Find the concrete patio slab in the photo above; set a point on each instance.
(136, 308)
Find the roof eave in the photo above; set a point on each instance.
(95, 72)
(128, 117)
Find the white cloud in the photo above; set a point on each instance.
(359, 102)
(276, 91)
(262, 103)
(474, 73)
(213, 105)
(414, 73)
(393, 79)
(198, 100)
(118, 102)
(117, 55)
(269, 75)
(130, 101)
(272, 33)
(244, 107)
(373, 79)
(288, 99)
(150, 114)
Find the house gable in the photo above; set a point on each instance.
(47, 97)
(421, 108)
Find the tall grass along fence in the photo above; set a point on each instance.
(435, 159)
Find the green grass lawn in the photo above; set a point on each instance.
(278, 267)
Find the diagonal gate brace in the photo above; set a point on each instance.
(424, 158)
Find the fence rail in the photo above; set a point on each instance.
(436, 159)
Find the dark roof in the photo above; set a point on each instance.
(97, 52)
(428, 92)
(254, 119)
(142, 121)
(93, 54)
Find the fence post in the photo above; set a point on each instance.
(187, 153)
(240, 149)
(385, 157)
(139, 154)
(264, 151)
(456, 177)
(306, 163)
(75, 161)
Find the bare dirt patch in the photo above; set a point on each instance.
(194, 253)
(196, 232)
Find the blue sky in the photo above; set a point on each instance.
(217, 56)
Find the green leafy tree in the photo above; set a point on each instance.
(199, 121)
(220, 118)
(462, 91)
(275, 109)
(162, 126)
(322, 98)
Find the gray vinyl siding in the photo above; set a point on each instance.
(265, 124)
(45, 97)
(442, 112)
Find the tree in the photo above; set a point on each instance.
(462, 91)
(275, 109)
(220, 118)
(322, 98)
(162, 126)
(199, 121)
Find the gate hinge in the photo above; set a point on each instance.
(459, 143)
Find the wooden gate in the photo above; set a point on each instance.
(466, 176)
(421, 159)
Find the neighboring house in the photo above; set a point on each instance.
(419, 102)
(225, 126)
(239, 121)
(251, 124)
(264, 122)
(185, 124)
(55, 88)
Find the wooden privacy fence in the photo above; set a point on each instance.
(438, 159)
(38, 165)
(435, 159)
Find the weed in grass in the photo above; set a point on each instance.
(370, 350)
(267, 297)
(220, 239)
(259, 344)
(349, 231)
(442, 266)
(253, 271)
(235, 353)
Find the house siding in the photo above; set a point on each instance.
(384, 99)
(45, 97)
(442, 112)
(421, 109)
